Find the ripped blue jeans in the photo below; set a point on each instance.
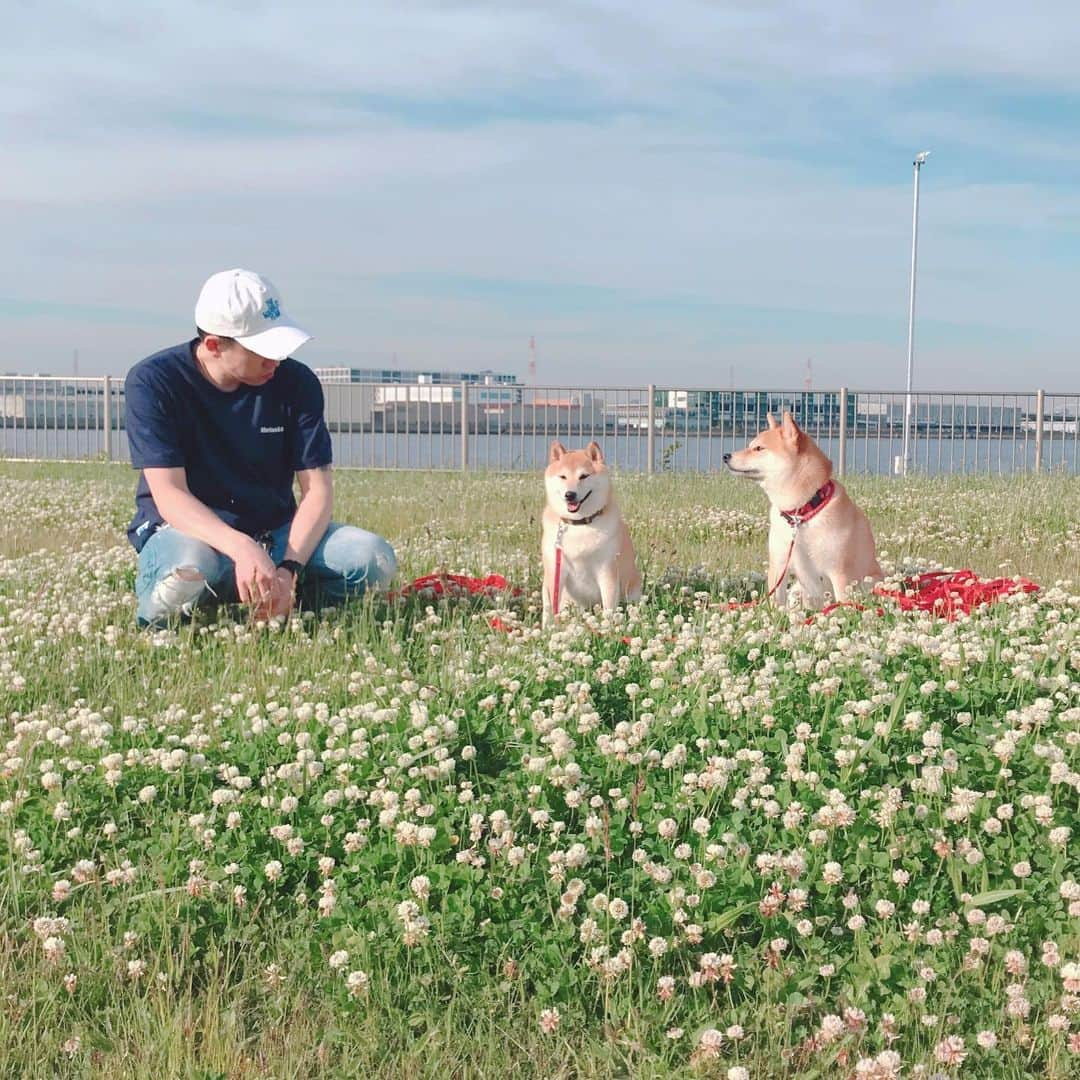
(178, 573)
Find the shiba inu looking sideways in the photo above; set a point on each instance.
(834, 545)
(581, 519)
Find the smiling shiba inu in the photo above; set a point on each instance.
(596, 565)
(833, 543)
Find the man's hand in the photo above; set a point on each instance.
(255, 574)
(282, 596)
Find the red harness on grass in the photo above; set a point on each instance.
(457, 585)
(946, 593)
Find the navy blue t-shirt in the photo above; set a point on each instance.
(240, 448)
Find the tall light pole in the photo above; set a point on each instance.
(920, 161)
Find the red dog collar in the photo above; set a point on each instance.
(817, 502)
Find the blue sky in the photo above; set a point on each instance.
(682, 192)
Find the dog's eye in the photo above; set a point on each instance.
(757, 447)
(562, 476)
(584, 476)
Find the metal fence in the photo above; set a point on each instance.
(507, 427)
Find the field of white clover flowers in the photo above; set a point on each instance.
(685, 840)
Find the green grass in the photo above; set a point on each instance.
(376, 694)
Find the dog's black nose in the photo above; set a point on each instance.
(727, 458)
(571, 496)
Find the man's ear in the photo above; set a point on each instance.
(557, 450)
(212, 343)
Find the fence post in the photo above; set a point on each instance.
(650, 437)
(464, 426)
(1040, 405)
(841, 463)
(108, 418)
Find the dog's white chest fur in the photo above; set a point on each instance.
(816, 547)
(586, 551)
(812, 557)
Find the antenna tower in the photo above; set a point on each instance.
(532, 361)
(808, 383)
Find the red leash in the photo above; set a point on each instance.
(735, 605)
(795, 518)
(555, 583)
(558, 568)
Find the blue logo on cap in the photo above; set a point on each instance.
(271, 311)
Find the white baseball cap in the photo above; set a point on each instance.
(244, 306)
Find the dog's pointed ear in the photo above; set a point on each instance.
(557, 450)
(789, 428)
(595, 453)
(772, 421)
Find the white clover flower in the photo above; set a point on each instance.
(832, 873)
(710, 1042)
(950, 1051)
(54, 949)
(549, 1021)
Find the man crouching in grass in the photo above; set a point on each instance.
(219, 427)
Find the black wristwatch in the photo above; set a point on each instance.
(291, 565)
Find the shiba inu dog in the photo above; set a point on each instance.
(833, 543)
(586, 549)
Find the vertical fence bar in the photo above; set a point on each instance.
(464, 427)
(650, 435)
(108, 418)
(841, 452)
(383, 395)
(1040, 405)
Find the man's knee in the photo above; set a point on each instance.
(383, 565)
(362, 559)
(178, 592)
(373, 564)
(177, 577)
